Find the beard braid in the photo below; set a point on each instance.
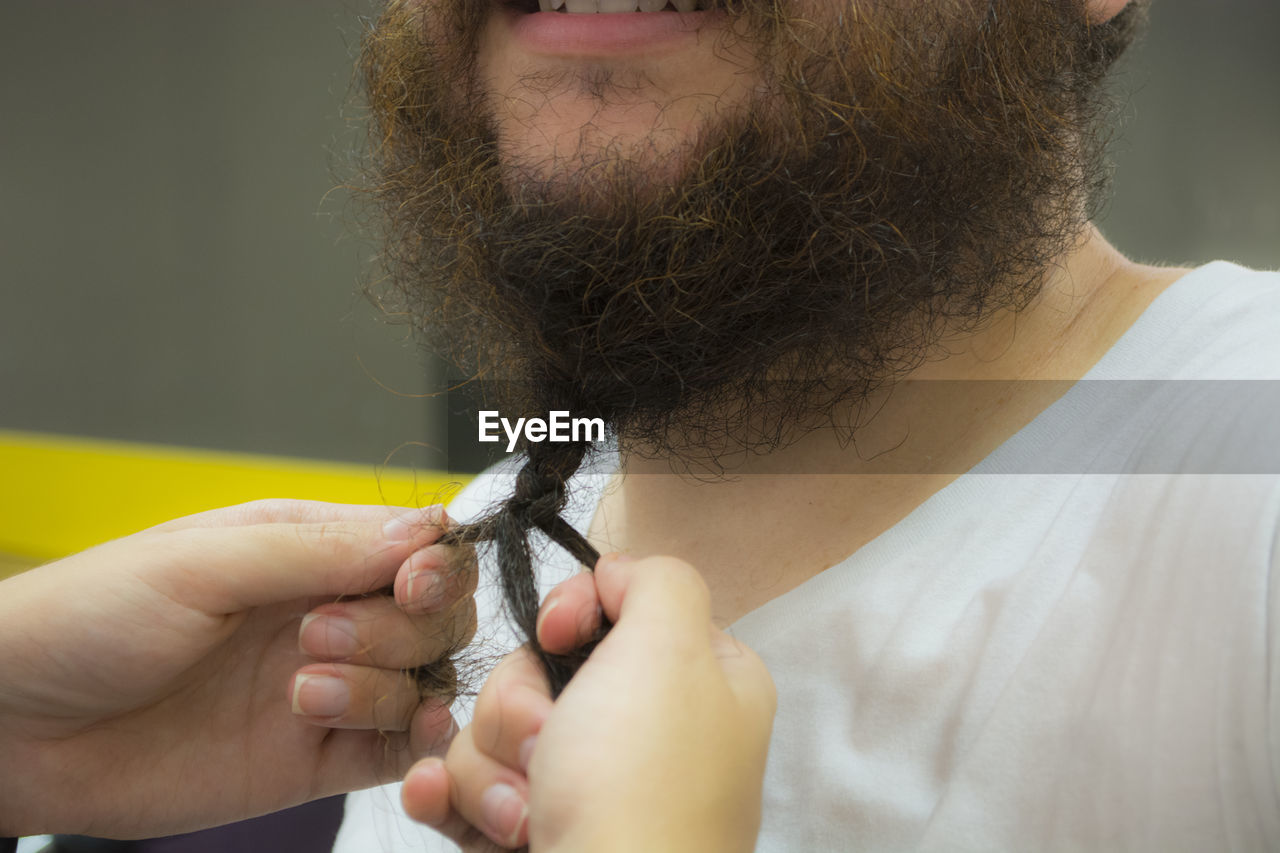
(818, 243)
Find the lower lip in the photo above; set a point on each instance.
(606, 35)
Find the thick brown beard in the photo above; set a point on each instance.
(817, 245)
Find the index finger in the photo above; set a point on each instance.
(284, 511)
(243, 567)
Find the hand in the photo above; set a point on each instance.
(147, 686)
(658, 742)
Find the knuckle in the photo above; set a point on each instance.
(328, 537)
(268, 510)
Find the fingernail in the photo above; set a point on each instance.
(504, 812)
(328, 636)
(542, 614)
(426, 588)
(526, 752)
(320, 696)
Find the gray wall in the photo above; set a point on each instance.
(1198, 159)
(174, 266)
(173, 270)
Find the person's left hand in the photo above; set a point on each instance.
(160, 683)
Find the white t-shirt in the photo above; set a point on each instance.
(1071, 647)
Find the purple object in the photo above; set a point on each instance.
(309, 828)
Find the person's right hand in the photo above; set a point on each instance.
(658, 742)
(225, 665)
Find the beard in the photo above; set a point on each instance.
(898, 175)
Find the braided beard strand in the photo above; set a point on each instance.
(540, 496)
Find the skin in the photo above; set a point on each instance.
(160, 662)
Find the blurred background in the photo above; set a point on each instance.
(177, 267)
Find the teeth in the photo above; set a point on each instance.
(613, 6)
(652, 5)
(581, 7)
(684, 5)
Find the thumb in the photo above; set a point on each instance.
(661, 590)
(667, 599)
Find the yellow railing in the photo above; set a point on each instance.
(59, 494)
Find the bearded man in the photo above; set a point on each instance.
(944, 458)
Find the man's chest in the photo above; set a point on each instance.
(1080, 679)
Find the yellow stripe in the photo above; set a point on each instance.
(59, 495)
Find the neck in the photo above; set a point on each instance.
(834, 494)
